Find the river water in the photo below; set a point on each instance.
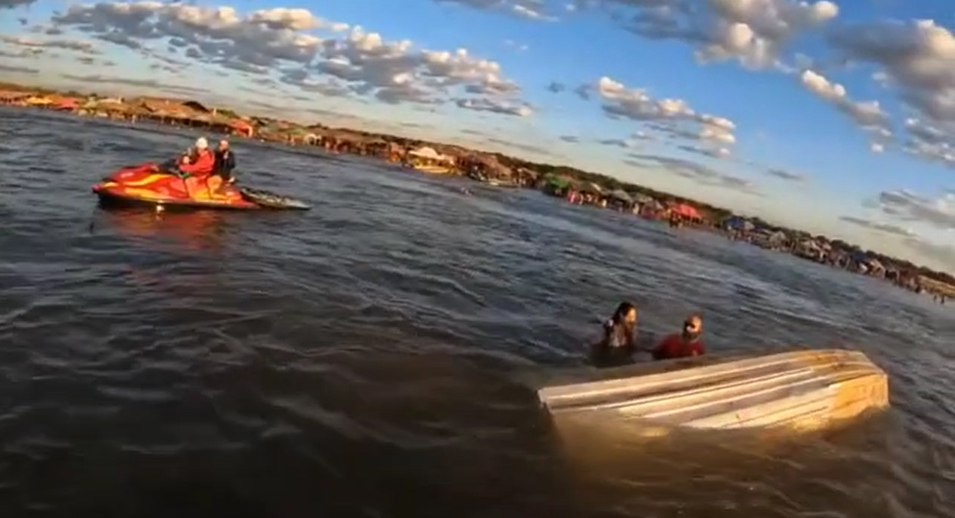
(370, 357)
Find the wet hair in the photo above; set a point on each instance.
(622, 310)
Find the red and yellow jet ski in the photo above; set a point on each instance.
(153, 185)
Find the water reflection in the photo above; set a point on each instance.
(196, 231)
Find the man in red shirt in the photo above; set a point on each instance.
(199, 168)
(682, 345)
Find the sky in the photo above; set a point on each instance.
(835, 118)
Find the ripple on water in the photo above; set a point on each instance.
(366, 358)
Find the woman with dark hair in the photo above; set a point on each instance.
(620, 334)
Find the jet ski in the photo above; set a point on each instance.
(161, 186)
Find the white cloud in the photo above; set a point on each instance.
(932, 142)
(81, 47)
(885, 228)
(694, 171)
(295, 19)
(672, 116)
(13, 4)
(631, 142)
(910, 207)
(17, 69)
(752, 32)
(294, 43)
(916, 59)
(98, 80)
(787, 175)
(530, 9)
(720, 152)
(520, 47)
(495, 106)
(916, 247)
(868, 115)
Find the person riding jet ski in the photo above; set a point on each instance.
(197, 167)
(201, 163)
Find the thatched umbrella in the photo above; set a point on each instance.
(124, 109)
(591, 188)
(621, 195)
(490, 163)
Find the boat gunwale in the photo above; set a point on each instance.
(714, 387)
(816, 384)
(552, 396)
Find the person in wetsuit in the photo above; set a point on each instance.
(619, 339)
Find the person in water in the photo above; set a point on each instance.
(197, 170)
(685, 344)
(620, 332)
(225, 162)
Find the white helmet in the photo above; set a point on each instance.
(202, 143)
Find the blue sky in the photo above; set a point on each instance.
(734, 106)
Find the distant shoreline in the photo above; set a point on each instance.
(495, 169)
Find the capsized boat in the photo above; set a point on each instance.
(799, 390)
(153, 185)
(432, 168)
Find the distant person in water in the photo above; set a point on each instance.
(619, 336)
(684, 344)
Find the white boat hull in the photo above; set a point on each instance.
(801, 390)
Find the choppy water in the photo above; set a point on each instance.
(366, 358)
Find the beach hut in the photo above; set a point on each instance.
(737, 224)
(11, 97)
(620, 199)
(38, 100)
(482, 167)
(241, 127)
(621, 195)
(427, 160)
(427, 153)
(66, 104)
(555, 185)
(771, 239)
(299, 135)
(809, 249)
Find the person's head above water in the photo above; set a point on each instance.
(692, 327)
(202, 144)
(626, 313)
